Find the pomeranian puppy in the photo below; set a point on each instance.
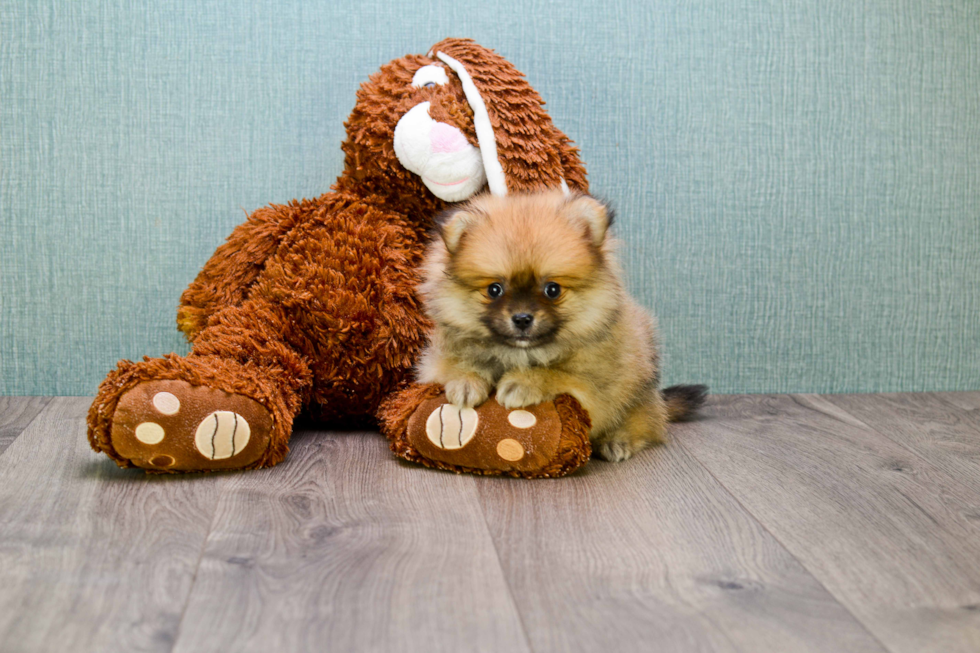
(528, 300)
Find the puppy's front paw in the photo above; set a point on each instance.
(516, 393)
(615, 451)
(467, 392)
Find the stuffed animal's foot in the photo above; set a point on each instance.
(544, 440)
(171, 425)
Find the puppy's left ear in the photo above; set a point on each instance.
(453, 224)
(596, 215)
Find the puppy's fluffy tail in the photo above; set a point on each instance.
(683, 400)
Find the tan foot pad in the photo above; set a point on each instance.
(547, 440)
(175, 426)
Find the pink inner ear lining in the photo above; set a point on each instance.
(446, 138)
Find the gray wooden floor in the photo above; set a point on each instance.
(773, 523)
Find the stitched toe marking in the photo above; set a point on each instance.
(166, 403)
(149, 433)
(510, 450)
(222, 434)
(522, 419)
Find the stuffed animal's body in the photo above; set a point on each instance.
(312, 304)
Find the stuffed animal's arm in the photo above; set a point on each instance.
(227, 276)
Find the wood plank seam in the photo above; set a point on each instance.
(816, 405)
(46, 401)
(786, 547)
(92, 554)
(337, 528)
(701, 596)
(775, 426)
(503, 574)
(197, 568)
(970, 413)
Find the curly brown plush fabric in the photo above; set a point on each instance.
(312, 304)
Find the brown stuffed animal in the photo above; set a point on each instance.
(312, 305)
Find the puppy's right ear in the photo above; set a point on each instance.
(453, 224)
(596, 215)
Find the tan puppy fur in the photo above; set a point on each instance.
(528, 300)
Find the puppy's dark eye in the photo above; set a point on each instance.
(495, 290)
(552, 290)
(429, 85)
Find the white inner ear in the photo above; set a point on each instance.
(432, 73)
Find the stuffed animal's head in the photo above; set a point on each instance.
(440, 128)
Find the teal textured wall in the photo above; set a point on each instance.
(798, 183)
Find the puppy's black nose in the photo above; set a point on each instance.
(522, 321)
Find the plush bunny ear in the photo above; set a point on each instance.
(596, 216)
(530, 151)
(452, 224)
